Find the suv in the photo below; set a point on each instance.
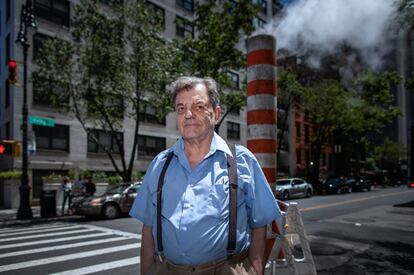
(293, 187)
(360, 183)
(336, 185)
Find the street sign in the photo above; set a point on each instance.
(41, 121)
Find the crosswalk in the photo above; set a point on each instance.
(68, 249)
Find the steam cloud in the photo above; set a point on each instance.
(320, 27)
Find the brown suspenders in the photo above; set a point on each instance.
(232, 170)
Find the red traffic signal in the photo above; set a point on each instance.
(6, 148)
(12, 71)
(10, 148)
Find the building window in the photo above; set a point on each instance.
(258, 23)
(56, 11)
(298, 156)
(7, 134)
(324, 157)
(148, 114)
(105, 139)
(8, 10)
(307, 133)
(7, 95)
(52, 138)
(298, 130)
(47, 92)
(38, 41)
(276, 7)
(188, 5)
(307, 157)
(263, 4)
(8, 50)
(235, 80)
(183, 28)
(150, 146)
(233, 130)
(111, 104)
(158, 12)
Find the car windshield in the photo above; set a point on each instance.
(331, 181)
(118, 189)
(283, 182)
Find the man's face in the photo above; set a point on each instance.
(196, 117)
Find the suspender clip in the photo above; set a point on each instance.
(161, 256)
(230, 254)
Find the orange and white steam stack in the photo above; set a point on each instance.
(262, 102)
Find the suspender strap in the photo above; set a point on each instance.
(232, 170)
(159, 202)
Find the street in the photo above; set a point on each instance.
(346, 232)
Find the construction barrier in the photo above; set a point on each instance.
(283, 257)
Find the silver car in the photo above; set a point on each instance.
(293, 188)
(117, 200)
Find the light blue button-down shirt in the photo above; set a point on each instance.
(195, 203)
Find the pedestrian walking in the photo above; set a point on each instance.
(204, 204)
(67, 194)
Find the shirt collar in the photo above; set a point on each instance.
(217, 144)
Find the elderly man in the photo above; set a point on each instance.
(185, 200)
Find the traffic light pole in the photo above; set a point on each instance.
(26, 20)
(24, 212)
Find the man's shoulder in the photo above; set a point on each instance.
(159, 160)
(243, 152)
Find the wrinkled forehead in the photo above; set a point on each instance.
(195, 94)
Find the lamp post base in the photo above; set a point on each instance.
(24, 212)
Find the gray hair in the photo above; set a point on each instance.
(189, 82)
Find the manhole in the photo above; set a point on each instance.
(322, 248)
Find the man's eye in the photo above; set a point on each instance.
(180, 109)
(200, 108)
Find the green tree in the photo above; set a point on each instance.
(406, 13)
(387, 156)
(290, 91)
(212, 52)
(326, 104)
(370, 108)
(114, 60)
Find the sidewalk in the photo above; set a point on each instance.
(8, 217)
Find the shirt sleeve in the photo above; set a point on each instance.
(262, 207)
(143, 208)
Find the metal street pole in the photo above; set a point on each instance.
(26, 20)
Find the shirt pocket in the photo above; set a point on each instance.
(219, 199)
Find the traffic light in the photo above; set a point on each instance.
(10, 148)
(12, 71)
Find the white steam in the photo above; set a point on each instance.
(320, 27)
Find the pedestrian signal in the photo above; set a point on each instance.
(10, 148)
(12, 71)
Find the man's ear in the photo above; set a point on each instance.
(217, 113)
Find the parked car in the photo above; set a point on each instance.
(360, 183)
(336, 185)
(116, 200)
(411, 184)
(293, 188)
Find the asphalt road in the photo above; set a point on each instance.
(359, 233)
(344, 238)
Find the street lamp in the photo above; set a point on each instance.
(27, 20)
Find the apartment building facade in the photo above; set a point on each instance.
(65, 146)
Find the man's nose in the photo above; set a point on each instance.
(188, 113)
